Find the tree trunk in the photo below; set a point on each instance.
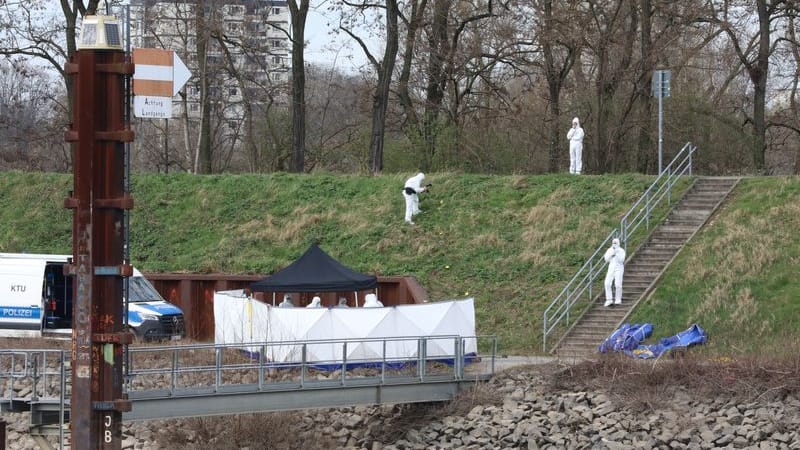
(381, 98)
(555, 80)
(203, 158)
(758, 75)
(439, 48)
(412, 119)
(646, 149)
(298, 17)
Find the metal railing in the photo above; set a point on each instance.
(201, 371)
(661, 189)
(33, 375)
(641, 213)
(177, 370)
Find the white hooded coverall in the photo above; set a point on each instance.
(575, 136)
(316, 302)
(371, 301)
(615, 257)
(286, 303)
(411, 192)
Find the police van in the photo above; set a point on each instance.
(36, 299)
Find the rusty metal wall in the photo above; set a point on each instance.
(194, 294)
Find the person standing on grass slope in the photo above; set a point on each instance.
(575, 136)
(411, 191)
(615, 257)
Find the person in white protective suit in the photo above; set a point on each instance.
(316, 302)
(615, 257)
(575, 136)
(342, 303)
(411, 191)
(287, 302)
(371, 301)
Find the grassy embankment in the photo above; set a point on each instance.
(512, 242)
(738, 279)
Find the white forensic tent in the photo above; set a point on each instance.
(243, 320)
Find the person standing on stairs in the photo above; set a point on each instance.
(615, 257)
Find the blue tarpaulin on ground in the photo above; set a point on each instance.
(629, 337)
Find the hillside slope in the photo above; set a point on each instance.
(512, 242)
(738, 277)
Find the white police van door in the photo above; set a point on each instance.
(21, 302)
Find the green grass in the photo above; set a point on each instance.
(512, 242)
(738, 278)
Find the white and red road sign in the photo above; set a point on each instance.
(158, 75)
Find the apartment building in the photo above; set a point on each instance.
(247, 50)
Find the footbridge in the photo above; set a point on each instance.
(172, 381)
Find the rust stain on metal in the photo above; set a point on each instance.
(98, 201)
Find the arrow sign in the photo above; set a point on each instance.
(180, 74)
(159, 75)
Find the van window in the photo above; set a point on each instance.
(142, 291)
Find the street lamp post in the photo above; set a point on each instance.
(661, 89)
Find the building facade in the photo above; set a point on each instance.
(239, 50)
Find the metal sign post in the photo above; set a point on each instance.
(661, 89)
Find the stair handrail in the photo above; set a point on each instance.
(641, 211)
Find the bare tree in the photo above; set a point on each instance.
(339, 104)
(31, 29)
(413, 22)
(383, 68)
(299, 12)
(560, 50)
(30, 131)
(753, 46)
(611, 38)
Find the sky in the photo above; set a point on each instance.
(326, 48)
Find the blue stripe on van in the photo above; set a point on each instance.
(20, 312)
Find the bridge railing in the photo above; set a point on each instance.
(585, 282)
(31, 375)
(209, 368)
(37, 373)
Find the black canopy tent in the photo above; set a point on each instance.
(315, 271)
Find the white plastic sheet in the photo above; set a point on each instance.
(242, 320)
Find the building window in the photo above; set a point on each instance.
(233, 91)
(232, 124)
(276, 60)
(275, 42)
(276, 11)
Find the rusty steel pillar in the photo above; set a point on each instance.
(98, 201)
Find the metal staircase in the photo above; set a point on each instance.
(645, 266)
